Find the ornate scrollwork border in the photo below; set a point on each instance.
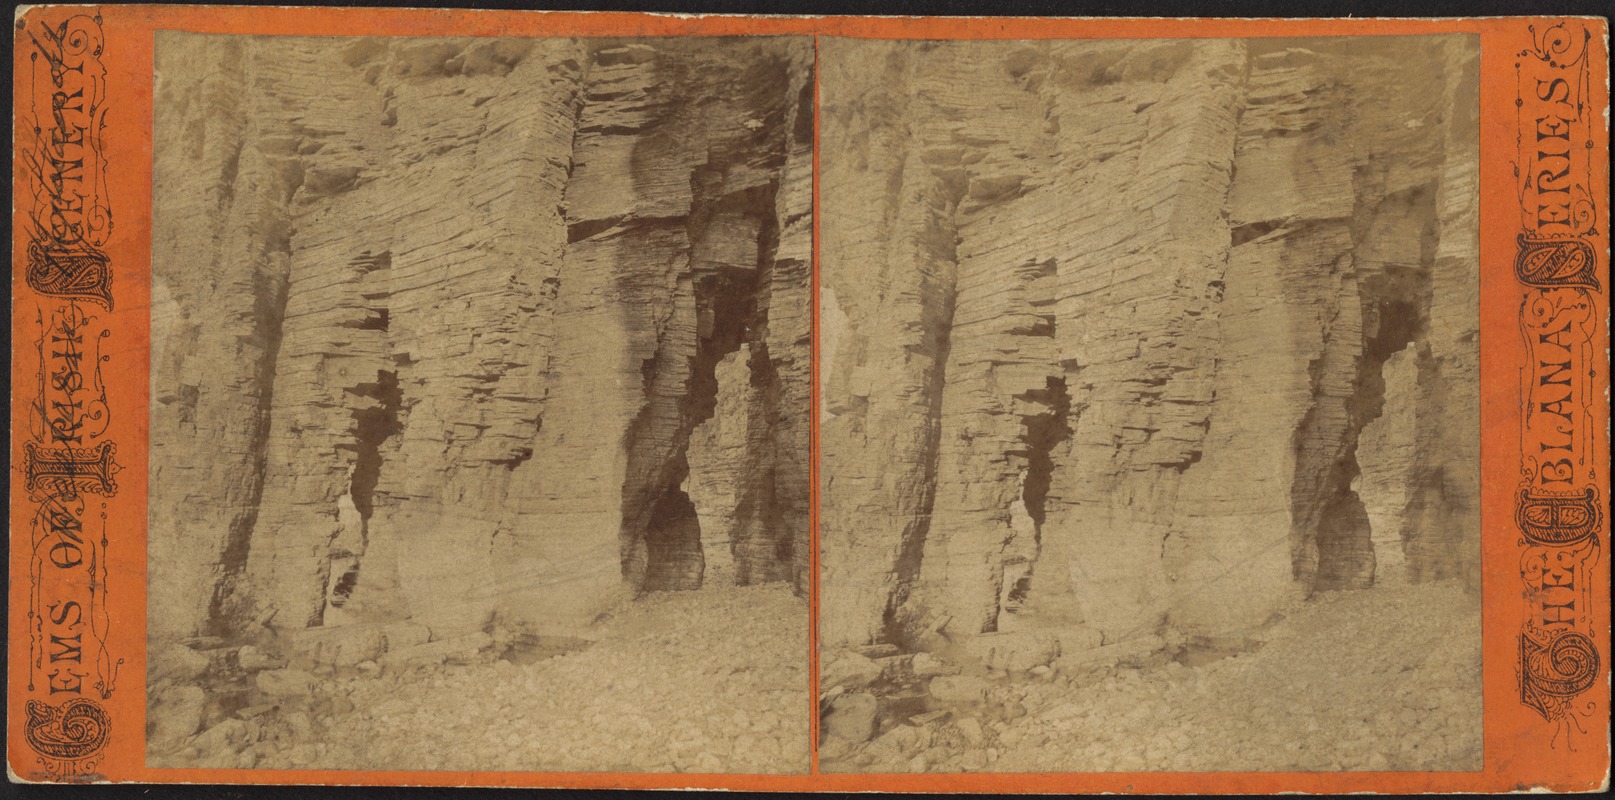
(69, 460)
(1558, 506)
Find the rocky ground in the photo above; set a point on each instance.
(1380, 679)
(703, 681)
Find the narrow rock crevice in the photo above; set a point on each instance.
(1394, 301)
(373, 425)
(1044, 433)
(899, 623)
(727, 315)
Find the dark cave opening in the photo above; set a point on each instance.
(1344, 532)
(673, 556)
(342, 589)
(728, 315)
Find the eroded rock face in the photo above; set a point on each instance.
(1104, 322)
(434, 322)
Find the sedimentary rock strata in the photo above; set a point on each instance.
(435, 323)
(1105, 323)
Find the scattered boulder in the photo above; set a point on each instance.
(285, 682)
(400, 635)
(852, 718)
(894, 744)
(176, 714)
(300, 724)
(850, 670)
(833, 749)
(179, 664)
(1012, 710)
(971, 730)
(460, 650)
(203, 642)
(959, 689)
(895, 670)
(253, 659)
(220, 743)
(340, 645)
(925, 665)
(1130, 652)
(248, 712)
(877, 650)
(1013, 652)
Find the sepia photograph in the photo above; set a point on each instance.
(479, 404)
(477, 398)
(1150, 405)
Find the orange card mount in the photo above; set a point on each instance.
(81, 446)
(68, 419)
(1559, 506)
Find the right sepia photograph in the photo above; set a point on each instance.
(1150, 405)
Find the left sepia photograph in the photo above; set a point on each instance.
(479, 404)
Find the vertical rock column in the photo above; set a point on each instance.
(749, 461)
(1045, 298)
(1385, 455)
(772, 539)
(410, 384)
(567, 501)
(220, 252)
(329, 369)
(1291, 332)
(717, 457)
(1001, 345)
(476, 275)
(1140, 275)
(1441, 526)
(888, 266)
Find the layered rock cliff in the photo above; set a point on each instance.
(435, 323)
(1104, 323)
